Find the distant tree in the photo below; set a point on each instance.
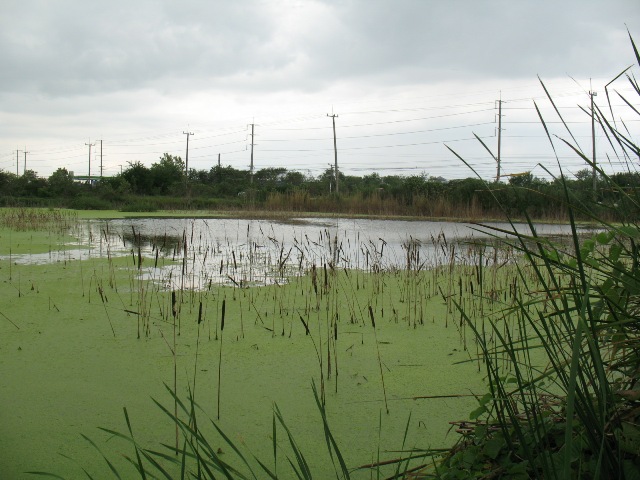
(166, 173)
(30, 185)
(584, 175)
(626, 179)
(467, 191)
(294, 180)
(326, 183)
(139, 177)
(6, 181)
(393, 185)
(582, 186)
(371, 182)
(522, 180)
(228, 181)
(415, 185)
(61, 184)
(270, 175)
(113, 189)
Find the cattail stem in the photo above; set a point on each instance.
(384, 390)
(224, 304)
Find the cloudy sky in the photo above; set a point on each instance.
(404, 77)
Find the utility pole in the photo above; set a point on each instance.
(25, 161)
(499, 137)
(17, 162)
(335, 150)
(252, 144)
(186, 160)
(593, 142)
(100, 158)
(90, 145)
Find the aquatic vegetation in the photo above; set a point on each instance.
(142, 310)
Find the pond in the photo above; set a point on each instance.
(92, 328)
(259, 252)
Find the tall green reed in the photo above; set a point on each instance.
(563, 371)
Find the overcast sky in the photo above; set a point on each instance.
(405, 77)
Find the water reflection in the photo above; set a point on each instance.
(194, 253)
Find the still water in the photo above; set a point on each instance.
(197, 252)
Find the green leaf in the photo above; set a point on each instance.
(604, 237)
(477, 412)
(470, 456)
(629, 231)
(614, 252)
(552, 255)
(493, 446)
(630, 438)
(518, 470)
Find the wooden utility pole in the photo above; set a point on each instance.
(251, 165)
(499, 138)
(335, 151)
(25, 161)
(17, 163)
(186, 159)
(593, 143)
(90, 145)
(100, 158)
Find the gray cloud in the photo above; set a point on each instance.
(489, 39)
(73, 69)
(72, 47)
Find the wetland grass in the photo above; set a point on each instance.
(562, 363)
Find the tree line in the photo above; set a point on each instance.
(164, 185)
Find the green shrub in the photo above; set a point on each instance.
(89, 203)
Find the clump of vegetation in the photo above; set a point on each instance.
(89, 202)
(564, 366)
(24, 219)
(138, 206)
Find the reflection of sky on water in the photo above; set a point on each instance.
(249, 252)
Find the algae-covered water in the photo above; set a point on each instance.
(88, 330)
